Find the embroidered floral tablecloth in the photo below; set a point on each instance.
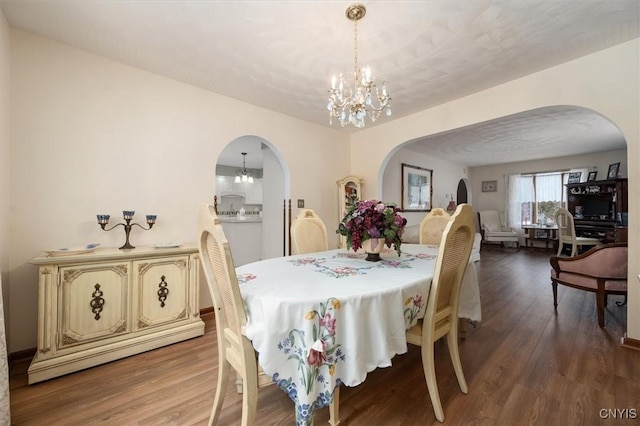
(324, 319)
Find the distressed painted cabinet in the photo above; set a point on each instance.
(108, 304)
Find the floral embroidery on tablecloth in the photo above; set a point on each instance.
(425, 256)
(316, 361)
(245, 278)
(322, 264)
(413, 306)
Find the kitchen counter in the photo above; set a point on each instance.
(234, 219)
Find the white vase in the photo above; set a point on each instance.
(373, 247)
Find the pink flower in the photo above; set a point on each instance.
(316, 354)
(329, 323)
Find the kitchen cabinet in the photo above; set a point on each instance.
(108, 304)
(253, 192)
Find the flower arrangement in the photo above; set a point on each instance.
(368, 219)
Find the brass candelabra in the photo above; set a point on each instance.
(103, 220)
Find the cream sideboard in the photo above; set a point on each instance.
(109, 304)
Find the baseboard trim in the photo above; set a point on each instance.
(629, 343)
(30, 353)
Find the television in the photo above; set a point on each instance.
(596, 209)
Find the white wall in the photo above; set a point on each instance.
(90, 135)
(607, 82)
(446, 176)
(5, 148)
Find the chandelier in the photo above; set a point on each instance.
(352, 104)
(243, 175)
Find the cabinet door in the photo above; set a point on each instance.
(161, 291)
(253, 192)
(93, 303)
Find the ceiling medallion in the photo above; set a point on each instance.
(351, 105)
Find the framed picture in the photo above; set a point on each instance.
(574, 177)
(417, 188)
(592, 176)
(489, 185)
(613, 171)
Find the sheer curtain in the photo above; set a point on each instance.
(549, 187)
(520, 191)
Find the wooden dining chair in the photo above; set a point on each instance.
(432, 226)
(234, 348)
(567, 233)
(441, 317)
(308, 233)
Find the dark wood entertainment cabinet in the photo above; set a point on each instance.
(599, 209)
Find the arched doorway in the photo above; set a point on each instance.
(252, 213)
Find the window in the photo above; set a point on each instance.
(534, 198)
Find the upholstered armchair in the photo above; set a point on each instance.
(494, 229)
(602, 270)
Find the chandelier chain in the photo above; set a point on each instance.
(355, 51)
(351, 105)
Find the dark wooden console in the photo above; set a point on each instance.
(599, 209)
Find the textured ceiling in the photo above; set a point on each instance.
(281, 54)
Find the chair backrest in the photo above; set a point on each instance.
(432, 226)
(566, 226)
(491, 221)
(219, 271)
(308, 233)
(451, 264)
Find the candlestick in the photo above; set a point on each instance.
(103, 220)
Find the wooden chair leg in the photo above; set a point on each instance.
(454, 353)
(334, 408)
(463, 328)
(554, 285)
(600, 296)
(428, 364)
(221, 386)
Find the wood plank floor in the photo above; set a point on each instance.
(524, 364)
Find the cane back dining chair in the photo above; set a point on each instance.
(308, 233)
(234, 348)
(441, 317)
(432, 226)
(567, 233)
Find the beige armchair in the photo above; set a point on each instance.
(494, 229)
(602, 270)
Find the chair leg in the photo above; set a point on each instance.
(600, 307)
(221, 386)
(462, 326)
(454, 353)
(249, 399)
(554, 286)
(334, 408)
(428, 364)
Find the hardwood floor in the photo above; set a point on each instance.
(524, 364)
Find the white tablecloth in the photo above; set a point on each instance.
(319, 320)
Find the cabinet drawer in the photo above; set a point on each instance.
(93, 303)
